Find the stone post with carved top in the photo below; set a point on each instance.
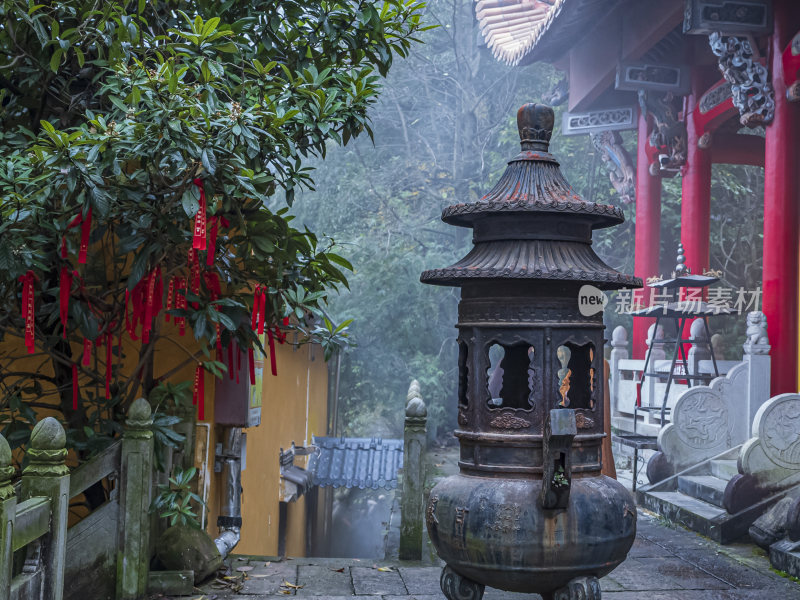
(136, 479)
(48, 476)
(411, 504)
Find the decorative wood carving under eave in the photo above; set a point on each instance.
(751, 89)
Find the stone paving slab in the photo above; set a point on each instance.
(665, 563)
(421, 581)
(324, 581)
(372, 582)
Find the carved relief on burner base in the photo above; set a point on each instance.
(509, 421)
(456, 587)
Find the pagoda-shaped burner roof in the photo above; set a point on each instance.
(533, 182)
(532, 225)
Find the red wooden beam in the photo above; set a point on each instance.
(711, 119)
(733, 149)
(647, 245)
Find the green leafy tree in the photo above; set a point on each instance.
(126, 124)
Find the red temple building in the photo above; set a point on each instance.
(690, 75)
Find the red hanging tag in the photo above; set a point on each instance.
(272, 359)
(256, 306)
(147, 325)
(252, 364)
(87, 352)
(199, 238)
(64, 288)
(218, 331)
(197, 374)
(86, 229)
(198, 399)
(109, 344)
(170, 293)
(215, 223)
(230, 359)
(74, 386)
(64, 247)
(180, 302)
(28, 306)
(262, 311)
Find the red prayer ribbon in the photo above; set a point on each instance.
(199, 238)
(87, 352)
(86, 229)
(272, 360)
(262, 311)
(198, 399)
(213, 225)
(74, 386)
(254, 319)
(180, 302)
(28, 306)
(170, 296)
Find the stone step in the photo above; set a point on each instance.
(703, 487)
(694, 514)
(724, 469)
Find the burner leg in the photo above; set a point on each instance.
(456, 587)
(580, 588)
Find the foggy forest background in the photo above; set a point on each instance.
(444, 128)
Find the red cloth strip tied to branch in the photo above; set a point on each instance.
(274, 333)
(198, 398)
(154, 291)
(86, 229)
(170, 299)
(254, 319)
(28, 306)
(146, 301)
(252, 365)
(87, 352)
(180, 302)
(213, 225)
(199, 237)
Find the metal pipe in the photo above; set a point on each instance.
(230, 513)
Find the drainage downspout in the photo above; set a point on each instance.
(230, 514)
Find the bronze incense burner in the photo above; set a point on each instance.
(529, 510)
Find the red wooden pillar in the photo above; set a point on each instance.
(695, 188)
(648, 230)
(781, 197)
